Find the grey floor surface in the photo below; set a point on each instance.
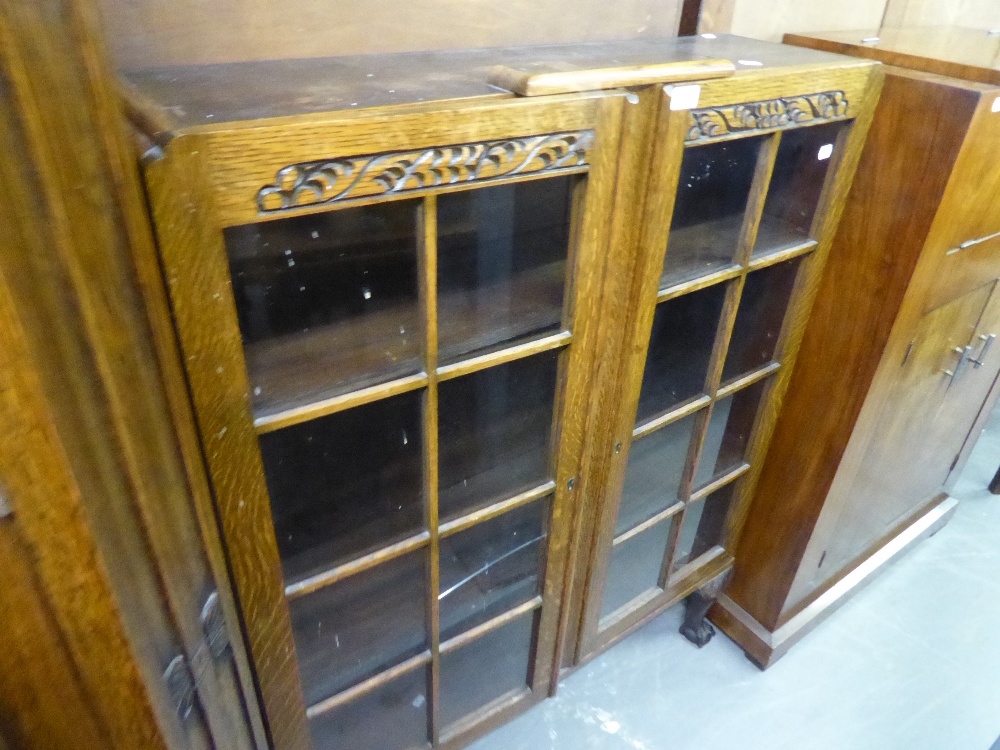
(910, 663)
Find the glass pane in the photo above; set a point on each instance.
(712, 194)
(635, 566)
(758, 321)
(360, 626)
(704, 525)
(501, 264)
(492, 567)
(728, 434)
(327, 303)
(345, 484)
(490, 667)
(393, 717)
(655, 469)
(680, 347)
(796, 183)
(494, 428)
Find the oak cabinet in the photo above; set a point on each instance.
(726, 267)
(897, 367)
(406, 305)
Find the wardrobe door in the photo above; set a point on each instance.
(922, 423)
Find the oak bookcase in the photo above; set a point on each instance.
(482, 380)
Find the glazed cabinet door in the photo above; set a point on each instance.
(935, 396)
(727, 263)
(387, 328)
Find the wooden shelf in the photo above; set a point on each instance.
(361, 626)
(474, 321)
(701, 249)
(775, 235)
(296, 370)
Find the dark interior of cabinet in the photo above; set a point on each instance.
(366, 305)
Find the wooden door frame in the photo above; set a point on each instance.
(198, 168)
(611, 433)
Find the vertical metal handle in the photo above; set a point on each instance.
(980, 358)
(963, 356)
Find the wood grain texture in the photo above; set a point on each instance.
(887, 321)
(921, 426)
(639, 126)
(556, 79)
(146, 33)
(42, 702)
(194, 260)
(123, 575)
(593, 249)
(196, 271)
(605, 483)
(168, 100)
(70, 576)
(868, 281)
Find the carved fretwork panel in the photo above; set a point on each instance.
(771, 114)
(323, 182)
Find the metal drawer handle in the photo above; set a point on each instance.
(980, 358)
(964, 352)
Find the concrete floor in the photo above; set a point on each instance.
(910, 663)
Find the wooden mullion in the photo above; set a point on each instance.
(428, 293)
(338, 573)
(717, 484)
(649, 523)
(492, 511)
(699, 562)
(668, 557)
(723, 334)
(687, 482)
(367, 686)
(758, 196)
(509, 354)
(462, 639)
(647, 428)
(780, 256)
(327, 406)
(745, 381)
(702, 282)
(724, 331)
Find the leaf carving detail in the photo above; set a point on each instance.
(322, 182)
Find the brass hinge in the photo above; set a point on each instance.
(182, 676)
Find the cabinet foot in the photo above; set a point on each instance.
(696, 627)
(995, 483)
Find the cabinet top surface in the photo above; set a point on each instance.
(178, 98)
(969, 54)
